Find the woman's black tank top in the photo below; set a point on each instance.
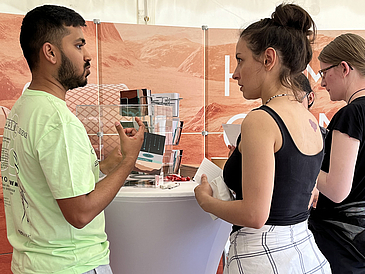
(295, 177)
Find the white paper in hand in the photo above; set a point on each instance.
(208, 168)
(220, 191)
(215, 179)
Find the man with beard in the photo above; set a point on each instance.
(53, 201)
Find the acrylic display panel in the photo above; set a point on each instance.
(99, 124)
(163, 59)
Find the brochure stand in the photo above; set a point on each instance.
(99, 124)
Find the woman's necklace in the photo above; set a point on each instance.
(348, 102)
(277, 95)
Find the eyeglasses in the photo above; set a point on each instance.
(322, 72)
(309, 103)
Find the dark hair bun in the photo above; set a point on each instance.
(293, 16)
(290, 31)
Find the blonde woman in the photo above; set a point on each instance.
(338, 222)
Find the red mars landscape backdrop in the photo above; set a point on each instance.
(193, 62)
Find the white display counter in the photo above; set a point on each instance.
(163, 231)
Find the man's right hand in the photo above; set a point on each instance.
(131, 140)
(82, 209)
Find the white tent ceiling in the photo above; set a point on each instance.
(328, 14)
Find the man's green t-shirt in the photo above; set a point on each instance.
(47, 155)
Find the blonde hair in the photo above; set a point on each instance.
(348, 47)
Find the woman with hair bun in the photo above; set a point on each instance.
(278, 155)
(338, 222)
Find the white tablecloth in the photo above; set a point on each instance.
(163, 231)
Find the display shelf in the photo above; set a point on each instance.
(99, 122)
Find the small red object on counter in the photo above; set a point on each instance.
(175, 177)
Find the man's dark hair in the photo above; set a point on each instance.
(304, 83)
(46, 24)
(305, 86)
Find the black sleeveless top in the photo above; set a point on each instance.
(295, 177)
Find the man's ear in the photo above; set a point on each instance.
(49, 52)
(269, 58)
(310, 98)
